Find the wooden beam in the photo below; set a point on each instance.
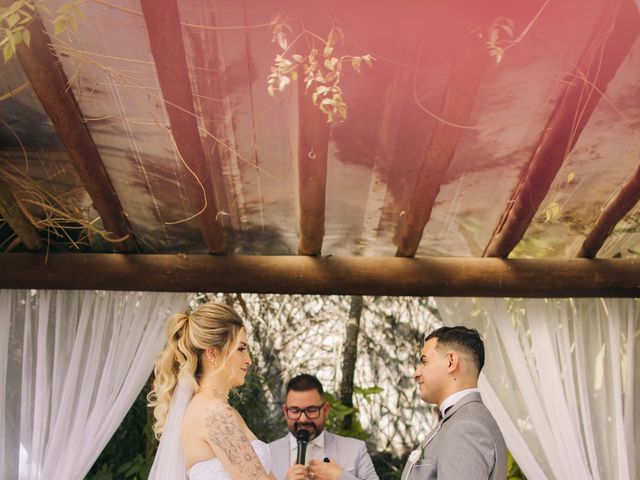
(17, 220)
(623, 202)
(456, 109)
(49, 82)
(313, 147)
(167, 46)
(490, 277)
(601, 59)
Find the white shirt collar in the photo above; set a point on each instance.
(318, 441)
(451, 400)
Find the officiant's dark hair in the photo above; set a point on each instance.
(466, 339)
(303, 383)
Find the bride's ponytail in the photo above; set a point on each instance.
(212, 325)
(179, 359)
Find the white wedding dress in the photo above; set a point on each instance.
(212, 469)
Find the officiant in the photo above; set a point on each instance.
(328, 456)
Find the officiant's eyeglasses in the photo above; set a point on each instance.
(312, 412)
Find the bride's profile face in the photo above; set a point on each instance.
(239, 360)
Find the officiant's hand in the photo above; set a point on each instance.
(297, 472)
(324, 470)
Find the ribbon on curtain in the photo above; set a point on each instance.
(561, 380)
(71, 365)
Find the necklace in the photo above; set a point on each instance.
(216, 392)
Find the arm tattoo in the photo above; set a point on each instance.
(224, 431)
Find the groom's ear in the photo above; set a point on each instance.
(454, 361)
(326, 407)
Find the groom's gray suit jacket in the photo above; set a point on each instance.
(468, 445)
(350, 453)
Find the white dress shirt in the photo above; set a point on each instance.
(315, 449)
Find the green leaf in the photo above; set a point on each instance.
(7, 51)
(368, 391)
(59, 25)
(13, 19)
(16, 37)
(26, 37)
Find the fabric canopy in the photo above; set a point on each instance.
(71, 365)
(561, 380)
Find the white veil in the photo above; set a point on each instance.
(169, 461)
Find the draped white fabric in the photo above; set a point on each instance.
(561, 378)
(169, 459)
(71, 365)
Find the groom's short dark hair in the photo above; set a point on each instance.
(303, 383)
(466, 339)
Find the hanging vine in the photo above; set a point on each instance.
(16, 18)
(321, 69)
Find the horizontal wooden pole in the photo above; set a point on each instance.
(456, 277)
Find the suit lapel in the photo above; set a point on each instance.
(330, 446)
(281, 457)
(472, 397)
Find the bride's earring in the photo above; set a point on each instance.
(211, 356)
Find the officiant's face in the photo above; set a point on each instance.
(432, 372)
(298, 420)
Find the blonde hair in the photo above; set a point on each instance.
(211, 325)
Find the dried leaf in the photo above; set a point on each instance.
(355, 63)
(282, 41)
(284, 81)
(330, 63)
(552, 212)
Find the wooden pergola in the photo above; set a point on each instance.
(490, 150)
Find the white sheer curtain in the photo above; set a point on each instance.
(561, 378)
(71, 365)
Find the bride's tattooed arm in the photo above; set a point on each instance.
(225, 433)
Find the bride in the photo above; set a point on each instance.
(201, 436)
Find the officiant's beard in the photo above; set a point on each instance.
(314, 430)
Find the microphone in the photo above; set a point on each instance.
(303, 438)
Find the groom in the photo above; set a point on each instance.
(466, 443)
